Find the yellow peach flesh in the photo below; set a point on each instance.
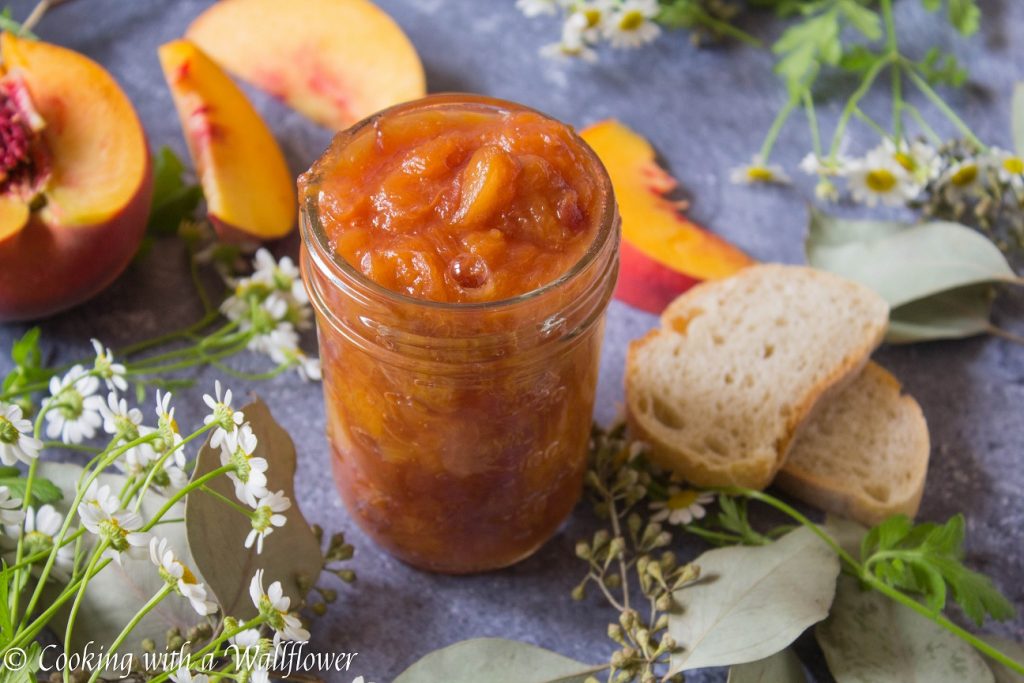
(336, 61)
(244, 175)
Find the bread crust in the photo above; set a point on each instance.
(750, 472)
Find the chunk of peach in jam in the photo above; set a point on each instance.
(461, 206)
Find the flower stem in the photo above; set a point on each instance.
(184, 492)
(97, 553)
(777, 124)
(130, 626)
(227, 501)
(941, 105)
(854, 101)
(897, 85)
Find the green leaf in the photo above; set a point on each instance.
(1018, 117)
(43, 490)
(117, 593)
(931, 5)
(859, 59)
(752, 601)
(1009, 648)
(965, 16)
(869, 638)
(174, 200)
(905, 263)
(27, 672)
(803, 45)
(496, 661)
(862, 18)
(955, 314)
(25, 351)
(782, 667)
(216, 532)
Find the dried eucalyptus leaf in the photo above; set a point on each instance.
(752, 601)
(496, 661)
(1009, 648)
(906, 265)
(216, 532)
(781, 667)
(869, 638)
(955, 314)
(117, 593)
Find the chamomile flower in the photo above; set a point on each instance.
(266, 517)
(183, 675)
(106, 369)
(180, 577)
(167, 426)
(631, 24)
(140, 459)
(249, 649)
(1009, 167)
(273, 607)
(597, 14)
(962, 179)
(101, 514)
(812, 164)
(919, 159)
(537, 8)
(41, 528)
(10, 508)
(248, 472)
(682, 507)
(572, 44)
(757, 171)
(16, 440)
(282, 276)
(119, 420)
(223, 415)
(284, 351)
(73, 412)
(879, 177)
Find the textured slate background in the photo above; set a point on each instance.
(705, 111)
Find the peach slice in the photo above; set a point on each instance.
(336, 61)
(75, 179)
(250, 193)
(663, 253)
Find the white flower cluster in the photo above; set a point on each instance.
(272, 302)
(895, 173)
(237, 444)
(622, 23)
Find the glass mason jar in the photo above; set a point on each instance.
(458, 431)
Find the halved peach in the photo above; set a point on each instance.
(250, 193)
(336, 61)
(663, 253)
(75, 180)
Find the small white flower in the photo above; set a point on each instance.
(682, 507)
(118, 419)
(919, 159)
(536, 8)
(248, 473)
(632, 24)
(176, 574)
(812, 164)
(273, 606)
(224, 416)
(266, 517)
(106, 369)
(572, 44)
(10, 508)
(16, 440)
(170, 436)
(757, 171)
(41, 528)
(1009, 167)
(282, 276)
(101, 514)
(879, 177)
(74, 412)
(248, 646)
(183, 675)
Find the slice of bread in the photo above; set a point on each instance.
(864, 454)
(722, 389)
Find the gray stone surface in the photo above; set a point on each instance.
(704, 110)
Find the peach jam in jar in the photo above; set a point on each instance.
(460, 253)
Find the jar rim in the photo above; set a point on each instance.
(313, 233)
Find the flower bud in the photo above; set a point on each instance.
(583, 550)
